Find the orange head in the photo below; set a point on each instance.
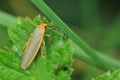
(42, 26)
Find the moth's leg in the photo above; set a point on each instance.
(47, 35)
(42, 49)
(27, 43)
(43, 46)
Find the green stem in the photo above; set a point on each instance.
(51, 15)
(7, 19)
(112, 64)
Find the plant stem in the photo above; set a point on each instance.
(7, 19)
(40, 4)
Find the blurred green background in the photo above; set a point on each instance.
(97, 22)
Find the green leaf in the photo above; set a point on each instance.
(10, 68)
(57, 61)
(109, 76)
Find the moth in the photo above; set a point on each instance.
(32, 46)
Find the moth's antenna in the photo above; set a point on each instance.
(56, 31)
(47, 28)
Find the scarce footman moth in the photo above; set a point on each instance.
(33, 45)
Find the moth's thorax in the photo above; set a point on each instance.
(42, 26)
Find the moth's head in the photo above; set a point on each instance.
(43, 25)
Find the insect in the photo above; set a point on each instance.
(32, 46)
